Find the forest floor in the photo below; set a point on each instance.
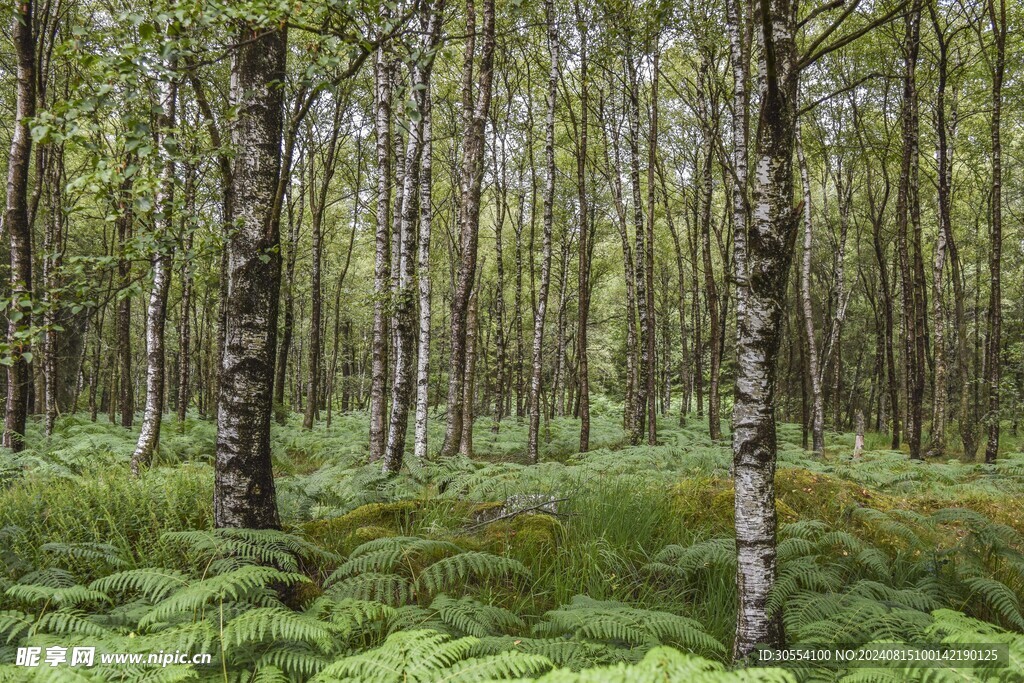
(439, 573)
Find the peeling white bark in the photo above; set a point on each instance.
(532, 442)
(162, 259)
(244, 493)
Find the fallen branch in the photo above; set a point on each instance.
(509, 515)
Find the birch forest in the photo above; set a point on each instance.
(476, 340)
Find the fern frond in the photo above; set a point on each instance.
(404, 656)
(96, 552)
(237, 585)
(998, 596)
(71, 596)
(667, 664)
(151, 583)
(469, 566)
(277, 624)
(14, 624)
(474, 618)
(494, 667)
(618, 623)
(69, 622)
(390, 589)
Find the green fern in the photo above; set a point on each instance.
(250, 583)
(150, 583)
(474, 618)
(391, 589)
(614, 622)
(666, 664)
(413, 656)
(277, 624)
(467, 567)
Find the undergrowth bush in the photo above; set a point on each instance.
(626, 574)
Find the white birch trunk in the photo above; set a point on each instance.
(817, 401)
(532, 443)
(156, 316)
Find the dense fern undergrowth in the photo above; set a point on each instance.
(431, 576)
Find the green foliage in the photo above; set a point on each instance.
(666, 664)
(619, 624)
(416, 656)
(398, 579)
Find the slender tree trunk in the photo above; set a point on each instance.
(469, 385)
(877, 213)
(627, 258)
(383, 76)
(19, 228)
(645, 366)
(423, 341)
(244, 493)
(907, 217)
(288, 315)
(943, 157)
(53, 248)
(832, 353)
(651, 350)
(813, 368)
(686, 375)
(696, 314)
(315, 315)
(583, 312)
(501, 210)
(163, 261)
(711, 292)
(96, 362)
(185, 324)
(405, 300)
(346, 370)
(517, 306)
(993, 342)
(318, 207)
(532, 443)
(558, 374)
(470, 178)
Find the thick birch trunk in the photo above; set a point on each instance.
(19, 227)
(760, 317)
(244, 493)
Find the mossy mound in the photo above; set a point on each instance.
(815, 495)
(707, 502)
(526, 533)
(365, 523)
